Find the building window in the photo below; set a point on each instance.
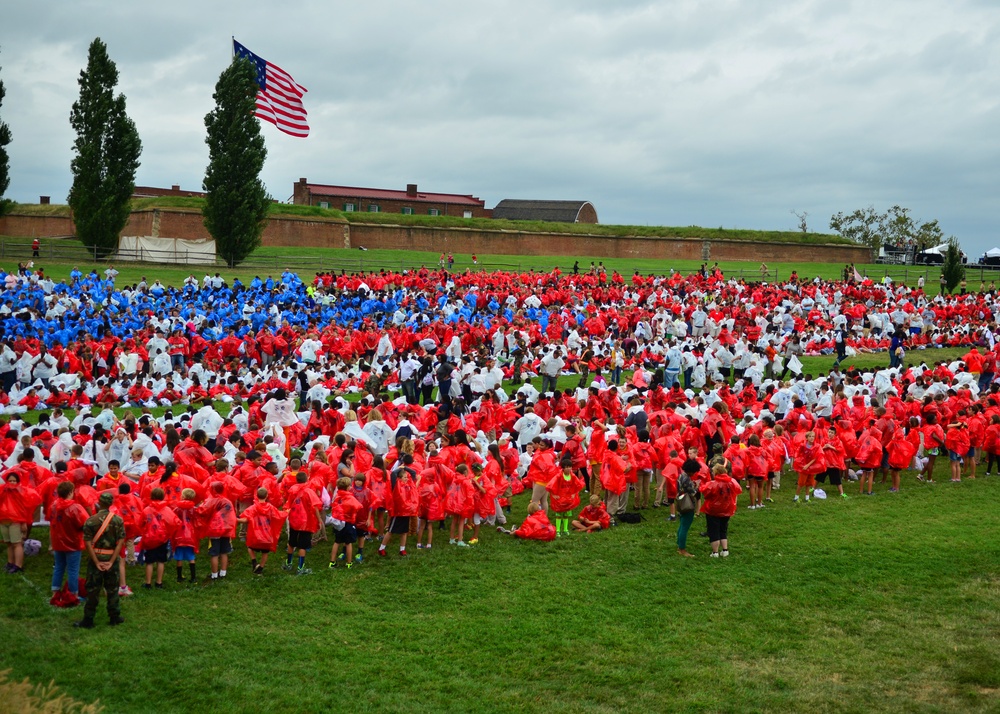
(372, 208)
(435, 212)
(349, 207)
(466, 214)
(407, 211)
(324, 204)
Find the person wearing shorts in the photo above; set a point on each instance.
(12, 534)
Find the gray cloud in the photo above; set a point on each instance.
(726, 113)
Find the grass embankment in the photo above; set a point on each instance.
(284, 209)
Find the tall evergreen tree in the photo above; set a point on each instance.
(953, 270)
(106, 149)
(237, 202)
(4, 157)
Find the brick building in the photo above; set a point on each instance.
(378, 200)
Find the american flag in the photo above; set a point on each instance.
(279, 97)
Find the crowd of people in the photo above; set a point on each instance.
(141, 420)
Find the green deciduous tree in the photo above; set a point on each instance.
(106, 154)
(4, 157)
(863, 226)
(953, 270)
(237, 202)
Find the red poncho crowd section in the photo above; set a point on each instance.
(667, 367)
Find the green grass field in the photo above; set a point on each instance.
(889, 602)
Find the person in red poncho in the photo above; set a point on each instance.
(564, 495)
(344, 510)
(66, 519)
(17, 509)
(536, 526)
(303, 504)
(594, 517)
(719, 505)
(184, 544)
(958, 443)
(158, 525)
(807, 463)
(403, 502)
(264, 523)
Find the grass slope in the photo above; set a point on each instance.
(827, 606)
(284, 209)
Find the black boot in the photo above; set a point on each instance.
(180, 573)
(116, 620)
(191, 566)
(86, 623)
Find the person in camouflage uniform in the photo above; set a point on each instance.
(103, 536)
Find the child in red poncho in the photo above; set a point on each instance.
(564, 495)
(344, 510)
(536, 526)
(807, 463)
(217, 515)
(594, 517)
(184, 544)
(303, 505)
(264, 523)
(158, 525)
(17, 511)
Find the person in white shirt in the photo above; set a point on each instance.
(528, 427)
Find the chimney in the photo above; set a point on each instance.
(175, 188)
(43, 200)
(411, 190)
(303, 181)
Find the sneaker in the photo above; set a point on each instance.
(463, 544)
(844, 495)
(359, 558)
(259, 570)
(287, 567)
(452, 541)
(760, 506)
(751, 508)
(333, 564)
(725, 554)
(382, 553)
(117, 620)
(807, 498)
(672, 518)
(714, 555)
(427, 547)
(420, 546)
(769, 500)
(474, 541)
(147, 586)
(349, 565)
(159, 586)
(304, 571)
(85, 624)
(500, 529)
(9, 568)
(125, 591)
(893, 490)
(403, 554)
(341, 556)
(796, 499)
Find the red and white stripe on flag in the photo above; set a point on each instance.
(281, 102)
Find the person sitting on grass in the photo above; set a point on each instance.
(263, 527)
(564, 495)
(594, 517)
(536, 526)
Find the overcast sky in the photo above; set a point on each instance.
(723, 113)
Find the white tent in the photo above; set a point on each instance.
(936, 250)
(993, 253)
(156, 249)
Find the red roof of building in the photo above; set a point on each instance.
(319, 189)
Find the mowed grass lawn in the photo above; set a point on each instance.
(890, 602)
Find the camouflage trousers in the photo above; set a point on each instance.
(97, 580)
